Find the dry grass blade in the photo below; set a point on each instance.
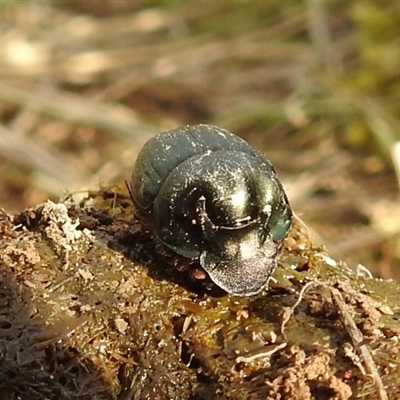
(116, 119)
(320, 32)
(357, 341)
(47, 165)
(382, 126)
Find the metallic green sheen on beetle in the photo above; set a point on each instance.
(214, 198)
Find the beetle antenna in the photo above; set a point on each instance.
(128, 186)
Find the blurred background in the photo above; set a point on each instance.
(315, 85)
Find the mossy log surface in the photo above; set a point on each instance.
(93, 307)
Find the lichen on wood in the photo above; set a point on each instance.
(93, 307)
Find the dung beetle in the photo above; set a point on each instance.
(214, 198)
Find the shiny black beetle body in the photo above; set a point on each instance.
(215, 198)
